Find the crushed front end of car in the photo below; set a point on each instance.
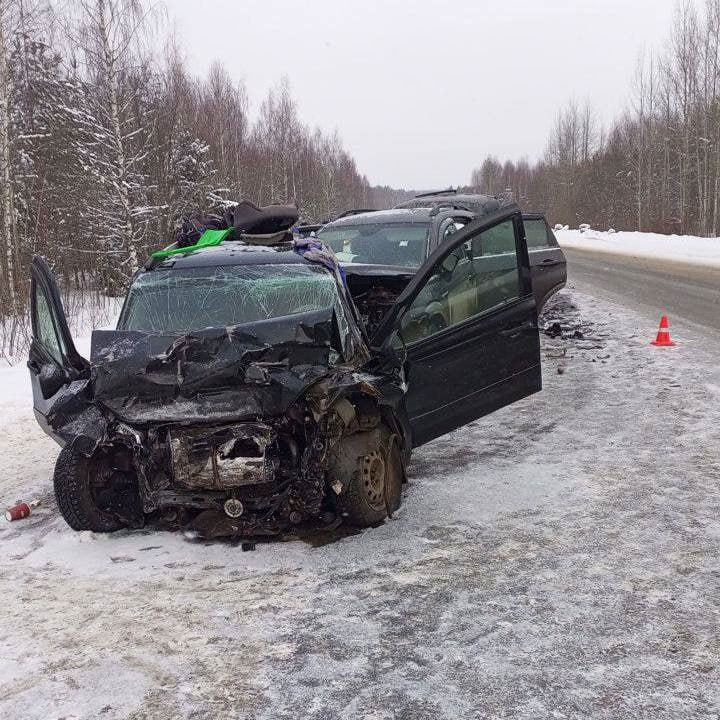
(234, 431)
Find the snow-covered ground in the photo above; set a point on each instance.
(683, 248)
(558, 559)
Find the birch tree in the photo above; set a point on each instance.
(117, 122)
(8, 20)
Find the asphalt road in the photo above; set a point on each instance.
(690, 293)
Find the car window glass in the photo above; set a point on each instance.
(179, 301)
(400, 244)
(478, 276)
(45, 330)
(536, 233)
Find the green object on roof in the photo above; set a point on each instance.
(210, 238)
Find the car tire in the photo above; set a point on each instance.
(72, 481)
(396, 472)
(373, 478)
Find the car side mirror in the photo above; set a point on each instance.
(51, 378)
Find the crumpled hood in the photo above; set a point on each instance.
(214, 375)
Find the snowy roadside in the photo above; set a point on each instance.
(680, 248)
(28, 456)
(556, 559)
(83, 313)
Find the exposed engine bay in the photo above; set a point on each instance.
(374, 295)
(242, 479)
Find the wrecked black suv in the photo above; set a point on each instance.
(241, 393)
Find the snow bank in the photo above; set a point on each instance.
(682, 248)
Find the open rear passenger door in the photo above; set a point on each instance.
(53, 362)
(469, 325)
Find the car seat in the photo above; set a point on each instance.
(375, 249)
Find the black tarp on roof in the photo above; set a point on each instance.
(245, 218)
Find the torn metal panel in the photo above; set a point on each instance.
(75, 417)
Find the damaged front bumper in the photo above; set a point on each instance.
(255, 477)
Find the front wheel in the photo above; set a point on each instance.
(82, 487)
(371, 469)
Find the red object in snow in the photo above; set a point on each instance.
(663, 336)
(18, 512)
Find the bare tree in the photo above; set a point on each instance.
(658, 166)
(8, 19)
(104, 146)
(118, 121)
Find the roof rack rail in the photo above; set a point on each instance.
(449, 191)
(441, 207)
(358, 211)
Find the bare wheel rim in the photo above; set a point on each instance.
(372, 480)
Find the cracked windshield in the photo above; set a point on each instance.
(178, 301)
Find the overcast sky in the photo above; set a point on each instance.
(421, 91)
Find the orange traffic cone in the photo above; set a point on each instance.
(663, 336)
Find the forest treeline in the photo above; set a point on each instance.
(657, 167)
(106, 142)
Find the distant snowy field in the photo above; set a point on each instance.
(682, 248)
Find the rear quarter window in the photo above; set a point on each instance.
(537, 234)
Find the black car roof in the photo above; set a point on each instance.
(396, 215)
(481, 204)
(235, 253)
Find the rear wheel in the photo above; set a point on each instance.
(370, 467)
(83, 485)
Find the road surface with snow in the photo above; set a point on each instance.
(689, 292)
(558, 559)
